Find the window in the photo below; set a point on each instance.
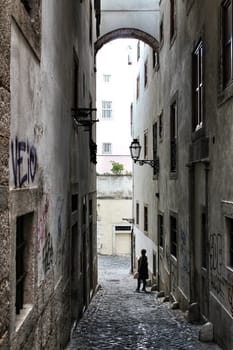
(155, 59)
(173, 236)
(230, 242)
(138, 50)
(106, 148)
(106, 109)
(137, 213)
(106, 78)
(145, 73)
(204, 241)
(155, 145)
(23, 259)
(160, 230)
(198, 87)
(145, 144)
(137, 87)
(122, 228)
(161, 126)
(75, 82)
(90, 24)
(145, 218)
(173, 137)
(74, 204)
(131, 118)
(172, 19)
(227, 42)
(154, 263)
(161, 32)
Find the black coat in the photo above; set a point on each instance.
(143, 268)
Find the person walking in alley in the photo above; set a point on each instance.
(142, 271)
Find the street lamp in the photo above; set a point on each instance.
(135, 150)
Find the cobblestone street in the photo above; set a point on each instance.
(120, 318)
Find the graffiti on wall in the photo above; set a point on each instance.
(44, 240)
(24, 162)
(216, 262)
(47, 253)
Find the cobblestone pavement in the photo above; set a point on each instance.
(120, 318)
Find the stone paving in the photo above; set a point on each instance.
(120, 318)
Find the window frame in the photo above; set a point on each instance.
(145, 144)
(137, 213)
(224, 42)
(173, 236)
(161, 230)
(104, 144)
(161, 32)
(106, 112)
(24, 255)
(174, 136)
(138, 87)
(146, 73)
(173, 20)
(145, 219)
(107, 78)
(198, 87)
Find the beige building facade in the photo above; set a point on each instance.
(114, 206)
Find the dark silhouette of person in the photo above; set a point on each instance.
(142, 271)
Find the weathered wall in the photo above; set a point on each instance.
(202, 185)
(40, 171)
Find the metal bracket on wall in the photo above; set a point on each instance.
(83, 117)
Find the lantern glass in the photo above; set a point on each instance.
(135, 149)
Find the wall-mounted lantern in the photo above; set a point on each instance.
(135, 150)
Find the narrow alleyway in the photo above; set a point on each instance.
(120, 318)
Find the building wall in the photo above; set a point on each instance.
(146, 110)
(114, 203)
(113, 60)
(199, 194)
(48, 191)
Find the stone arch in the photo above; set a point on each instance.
(127, 33)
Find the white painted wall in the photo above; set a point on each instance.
(112, 60)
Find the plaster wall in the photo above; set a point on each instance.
(113, 60)
(114, 202)
(143, 15)
(202, 181)
(44, 171)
